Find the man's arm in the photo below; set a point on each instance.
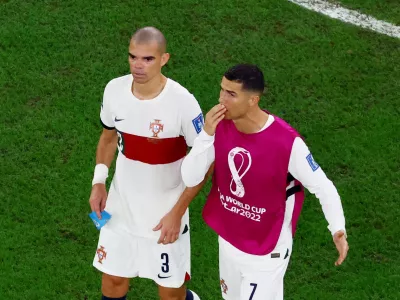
(190, 193)
(303, 167)
(106, 147)
(197, 163)
(194, 168)
(105, 153)
(104, 156)
(177, 212)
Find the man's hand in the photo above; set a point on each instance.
(213, 117)
(98, 198)
(342, 246)
(170, 226)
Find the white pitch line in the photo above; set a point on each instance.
(335, 11)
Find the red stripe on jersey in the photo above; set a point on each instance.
(187, 276)
(153, 151)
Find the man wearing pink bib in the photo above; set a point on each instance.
(260, 165)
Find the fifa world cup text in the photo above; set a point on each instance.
(251, 212)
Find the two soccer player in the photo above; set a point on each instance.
(259, 163)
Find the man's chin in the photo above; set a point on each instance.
(140, 79)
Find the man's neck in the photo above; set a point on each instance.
(150, 89)
(252, 122)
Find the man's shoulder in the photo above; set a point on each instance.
(179, 91)
(285, 127)
(119, 81)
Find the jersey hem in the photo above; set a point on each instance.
(105, 126)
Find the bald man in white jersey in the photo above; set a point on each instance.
(152, 120)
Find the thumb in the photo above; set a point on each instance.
(158, 227)
(340, 260)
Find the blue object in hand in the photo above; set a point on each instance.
(105, 217)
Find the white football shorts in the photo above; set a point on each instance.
(251, 277)
(124, 255)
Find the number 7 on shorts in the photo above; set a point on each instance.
(254, 285)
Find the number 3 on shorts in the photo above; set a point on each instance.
(254, 285)
(165, 265)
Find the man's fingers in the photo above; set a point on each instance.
(158, 227)
(168, 239)
(221, 109)
(95, 206)
(174, 238)
(215, 111)
(340, 260)
(218, 117)
(103, 204)
(162, 238)
(342, 255)
(344, 252)
(216, 108)
(97, 210)
(220, 113)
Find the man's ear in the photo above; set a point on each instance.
(254, 100)
(164, 59)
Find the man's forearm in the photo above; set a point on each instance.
(197, 162)
(190, 193)
(104, 156)
(186, 198)
(106, 150)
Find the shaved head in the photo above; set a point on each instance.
(150, 34)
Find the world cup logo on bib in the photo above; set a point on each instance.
(238, 173)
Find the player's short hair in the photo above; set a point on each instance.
(251, 77)
(150, 34)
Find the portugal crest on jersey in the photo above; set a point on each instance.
(156, 127)
(101, 253)
(224, 287)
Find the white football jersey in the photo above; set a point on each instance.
(153, 137)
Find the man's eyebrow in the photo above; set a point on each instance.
(231, 92)
(146, 57)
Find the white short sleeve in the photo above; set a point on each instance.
(192, 119)
(106, 117)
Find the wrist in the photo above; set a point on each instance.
(338, 231)
(179, 209)
(100, 174)
(209, 131)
